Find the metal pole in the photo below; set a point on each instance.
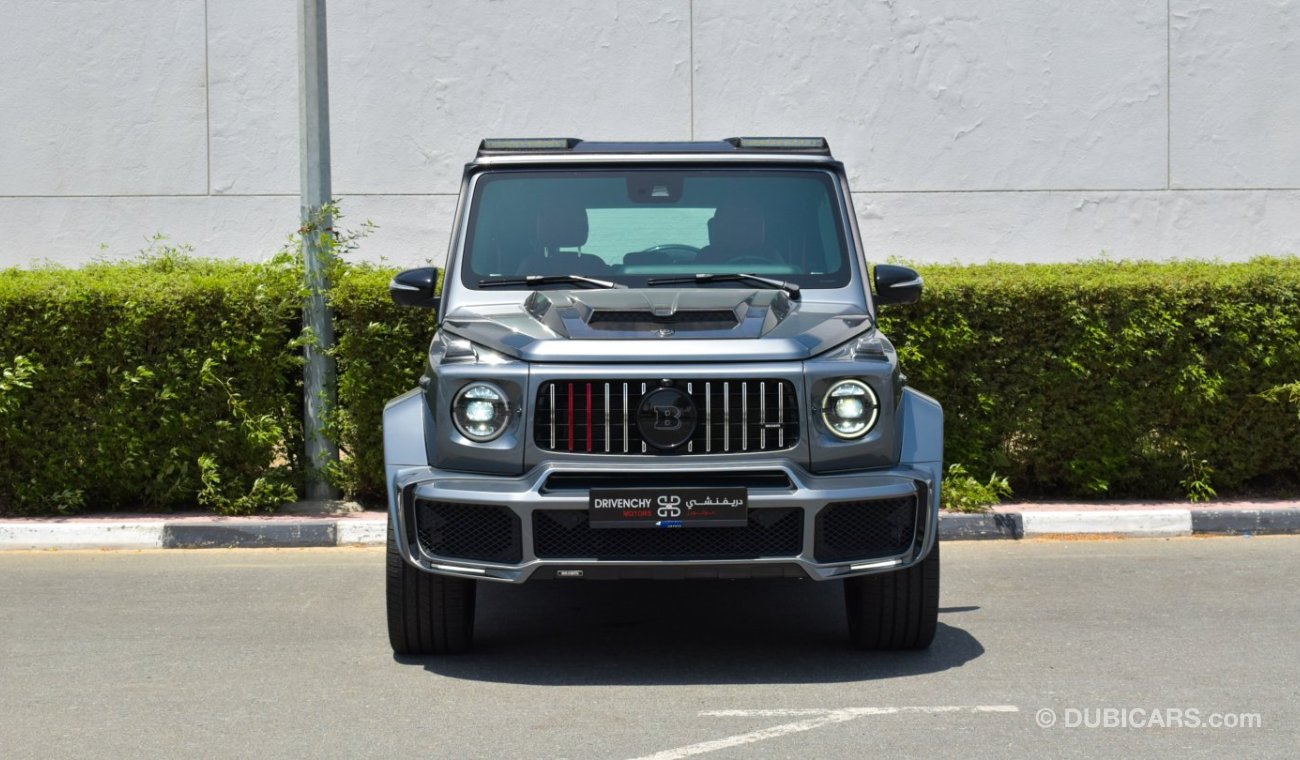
(320, 389)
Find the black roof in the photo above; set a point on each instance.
(570, 145)
(697, 146)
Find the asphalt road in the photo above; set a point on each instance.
(282, 654)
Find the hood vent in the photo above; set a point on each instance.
(663, 314)
(640, 320)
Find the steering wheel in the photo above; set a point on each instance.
(669, 247)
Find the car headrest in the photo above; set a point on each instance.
(737, 227)
(562, 225)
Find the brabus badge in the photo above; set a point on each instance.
(664, 332)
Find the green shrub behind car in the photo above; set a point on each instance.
(1136, 380)
(171, 382)
(149, 385)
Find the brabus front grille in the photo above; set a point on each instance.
(600, 416)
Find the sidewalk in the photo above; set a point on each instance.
(1128, 518)
(1009, 521)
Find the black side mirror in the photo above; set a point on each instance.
(415, 287)
(897, 285)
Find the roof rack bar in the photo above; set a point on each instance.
(785, 144)
(526, 144)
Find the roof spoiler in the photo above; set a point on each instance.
(507, 145)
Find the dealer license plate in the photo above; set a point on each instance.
(668, 507)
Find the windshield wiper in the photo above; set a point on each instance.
(535, 280)
(790, 288)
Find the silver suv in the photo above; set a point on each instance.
(660, 360)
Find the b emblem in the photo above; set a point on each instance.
(666, 418)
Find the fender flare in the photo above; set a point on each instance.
(405, 418)
(922, 446)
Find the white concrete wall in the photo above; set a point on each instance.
(1027, 130)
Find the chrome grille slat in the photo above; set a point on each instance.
(690, 391)
(726, 416)
(708, 418)
(780, 413)
(563, 423)
(744, 416)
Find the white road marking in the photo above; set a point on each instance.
(817, 718)
(857, 711)
(753, 736)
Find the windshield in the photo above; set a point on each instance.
(630, 226)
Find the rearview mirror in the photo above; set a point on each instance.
(415, 287)
(897, 285)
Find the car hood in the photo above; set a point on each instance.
(669, 325)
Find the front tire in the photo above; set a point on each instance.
(895, 611)
(427, 614)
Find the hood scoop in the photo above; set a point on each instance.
(615, 314)
(641, 321)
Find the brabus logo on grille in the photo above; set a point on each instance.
(666, 418)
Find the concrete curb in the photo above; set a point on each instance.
(191, 533)
(208, 535)
(976, 527)
(1134, 522)
(98, 534)
(1235, 522)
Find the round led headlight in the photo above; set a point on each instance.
(850, 408)
(480, 411)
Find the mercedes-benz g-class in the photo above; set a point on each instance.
(660, 360)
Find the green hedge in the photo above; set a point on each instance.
(171, 382)
(1113, 379)
(382, 350)
(150, 385)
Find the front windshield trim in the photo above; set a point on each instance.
(841, 241)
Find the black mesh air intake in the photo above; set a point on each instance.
(468, 531)
(852, 530)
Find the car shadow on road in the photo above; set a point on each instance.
(680, 632)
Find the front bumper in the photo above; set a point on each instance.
(521, 504)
